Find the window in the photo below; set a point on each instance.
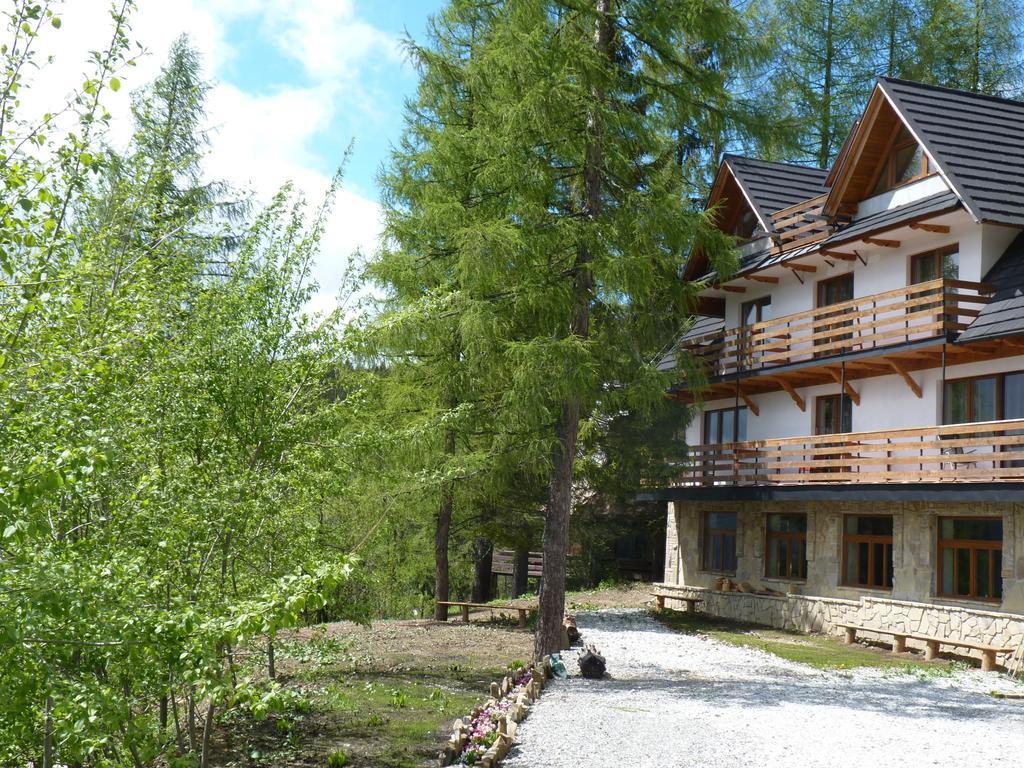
(723, 426)
(752, 312)
(719, 542)
(755, 311)
(867, 551)
(931, 265)
(743, 224)
(905, 162)
(833, 414)
(984, 398)
(785, 547)
(834, 290)
(971, 557)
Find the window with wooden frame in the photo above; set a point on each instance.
(719, 540)
(751, 313)
(931, 265)
(970, 558)
(785, 546)
(995, 397)
(725, 425)
(832, 290)
(833, 414)
(867, 551)
(905, 162)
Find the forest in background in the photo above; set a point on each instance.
(189, 462)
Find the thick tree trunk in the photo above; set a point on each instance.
(441, 532)
(556, 534)
(441, 535)
(482, 552)
(556, 518)
(521, 572)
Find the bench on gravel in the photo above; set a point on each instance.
(931, 644)
(465, 606)
(691, 602)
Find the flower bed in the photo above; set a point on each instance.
(485, 737)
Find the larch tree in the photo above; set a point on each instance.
(823, 73)
(435, 399)
(583, 224)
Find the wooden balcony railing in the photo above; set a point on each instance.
(915, 312)
(986, 451)
(796, 226)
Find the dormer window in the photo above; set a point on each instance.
(743, 224)
(905, 162)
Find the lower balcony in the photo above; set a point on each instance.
(956, 453)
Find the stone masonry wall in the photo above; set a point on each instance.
(820, 603)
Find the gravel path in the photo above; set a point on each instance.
(681, 700)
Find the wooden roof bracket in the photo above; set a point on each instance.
(838, 255)
(941, 229)
(751, 405)
(914, 386)
(853, 394)
(792, 393)
(881, 242)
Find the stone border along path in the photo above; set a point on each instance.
(681, 700)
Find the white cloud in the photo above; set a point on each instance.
(259, 141)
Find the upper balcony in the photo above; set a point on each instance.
(939, 309)
(978, 452)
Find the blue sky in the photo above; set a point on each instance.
(260, 67)
(295, 83)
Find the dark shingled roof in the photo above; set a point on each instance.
(977, 141)
(1004, 313)
(702, 324)
(894, 217)
(774, 186)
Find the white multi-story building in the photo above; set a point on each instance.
(858, 451)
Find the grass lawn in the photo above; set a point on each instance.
(382, 696)
(821, 651)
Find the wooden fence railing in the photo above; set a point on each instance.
(796, 226)
(921, 311)
(984, 451)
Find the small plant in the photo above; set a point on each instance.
(337, 759)
(399, 700)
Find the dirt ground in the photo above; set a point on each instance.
(384, 695)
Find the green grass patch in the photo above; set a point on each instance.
(817, 651)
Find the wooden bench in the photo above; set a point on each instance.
(988, 652)
(931, 644)
(465, 606)
(691, 602)
(899, 639)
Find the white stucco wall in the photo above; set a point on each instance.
(886, 401)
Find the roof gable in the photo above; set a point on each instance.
(772, 187)
(975, 142)
(761, 187)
